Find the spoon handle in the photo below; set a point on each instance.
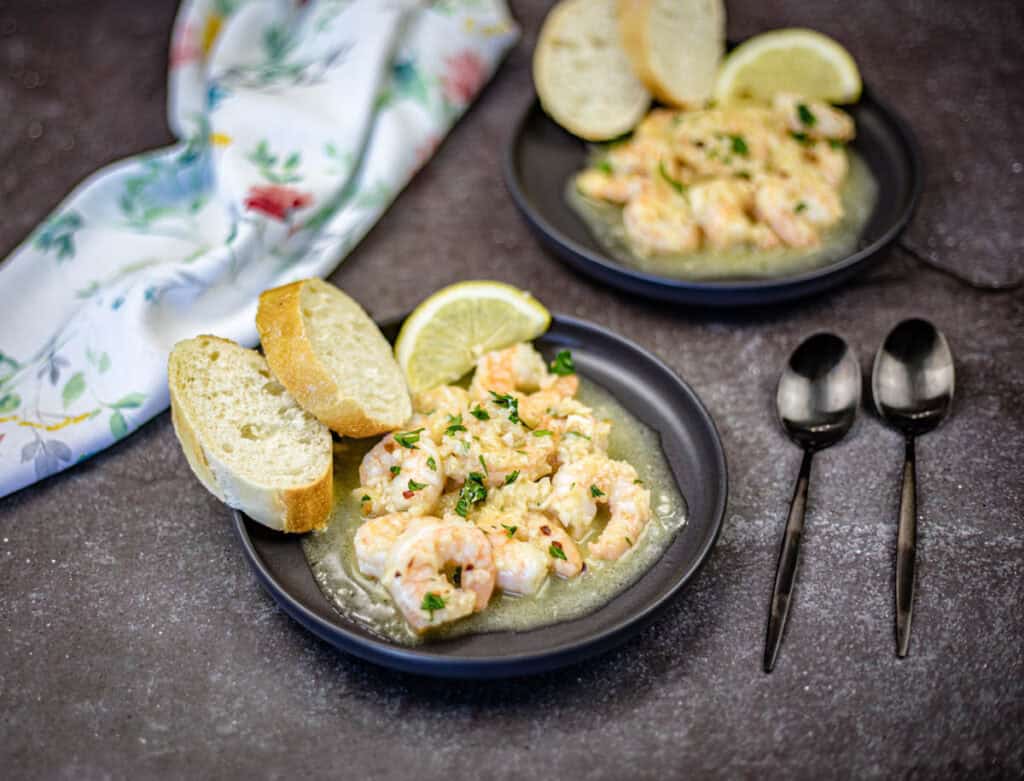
(906, 551)
(785, 571)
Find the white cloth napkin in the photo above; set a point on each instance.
(299, 123)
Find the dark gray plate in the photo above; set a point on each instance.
(542, 157)
(654, 394)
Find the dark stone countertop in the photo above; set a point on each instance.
(135, 642)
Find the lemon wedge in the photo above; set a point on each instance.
(445, 335)
(791, 60)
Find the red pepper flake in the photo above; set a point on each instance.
(408, 494)
(557, 544)
(468, 567)
(547, 530)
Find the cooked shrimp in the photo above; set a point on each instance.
(814, 118)
(402, 478)
(572, 501)
(536, 407)
(831, 162)
(721, 208)
(553, 540)
(377, 536)
(522, 567)
(797, 208)
(609, 186)
(416, 573)
(629, 510)
(719, 143)
(578, 487)
(516, 368)
(658, 222)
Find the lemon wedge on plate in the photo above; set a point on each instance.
(792, 60)
(445, 335)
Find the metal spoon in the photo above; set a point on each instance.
(912, 383)
(817, 400)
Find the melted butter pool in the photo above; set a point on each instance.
(858, 194)
(331, 555)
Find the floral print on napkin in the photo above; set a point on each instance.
(298, 125)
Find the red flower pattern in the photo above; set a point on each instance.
(276, 201)
(464, 76)
(185, 48)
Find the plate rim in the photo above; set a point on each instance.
(420, 660)
(619, 275)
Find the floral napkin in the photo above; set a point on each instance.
(298, 124)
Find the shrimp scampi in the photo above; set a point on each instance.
(494, 488)
(704, 179)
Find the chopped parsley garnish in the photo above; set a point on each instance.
(630, 542)
(432, 463)
(835, 143)
(739, 145)
(605, 166)
(803, 138)
(457, 577)
(432, 602)
(396, 470)
(806, 115)
(512, 477)
(454, 425)
(638, 481)
(800, 206)
(479, 413)
(596, 492)
(742, 175)
(676, 185)
(365, 498)
(472, 492)
(577, 434)
(414, 486)
(408, 439)
(509, 402)
(484, 465)
(542, 432)
(555, 549)
(563, 364)
(509, 530)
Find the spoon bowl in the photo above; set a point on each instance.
(817, 401)
(819, 392)
(913, 378)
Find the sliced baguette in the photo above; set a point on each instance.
(332, 358)
(675, 46)
(246, 439)
(582, 74)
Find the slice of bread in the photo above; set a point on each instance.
(332, 358)
(246, 439)
(582, 74)
(675, 46)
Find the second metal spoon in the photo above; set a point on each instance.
(912, 384)
(817, 400)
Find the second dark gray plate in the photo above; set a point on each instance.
(542, 157)
(650, 391)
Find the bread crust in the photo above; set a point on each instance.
(295, 509)
(289, 351)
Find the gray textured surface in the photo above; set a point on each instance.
(134, 641)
